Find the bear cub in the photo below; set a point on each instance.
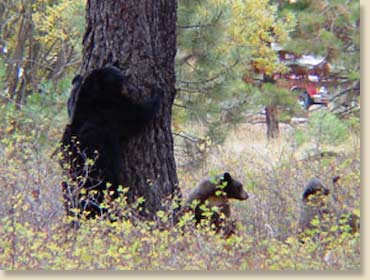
(215, 192)
(316, 205)
(102, 118)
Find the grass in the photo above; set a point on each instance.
(34, 235)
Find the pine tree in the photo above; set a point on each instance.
(209, 69)
(331, 30)
(223, 44)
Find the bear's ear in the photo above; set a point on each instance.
(77, 79)
(308, 191)
(227, 176)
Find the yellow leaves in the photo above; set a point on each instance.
(219, 193)
(253, 7)
(356, 212)
(105, 245)
(9, 152)
(204, 13)
(237, 8)
(187, 218)
(57, 24)
(140, 201)
(83, 254)
(204, 143)
(255, 25)
(89, 162)
(162, 216)
(290, 20)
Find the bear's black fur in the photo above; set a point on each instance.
(102, 118)
(313, 191)
(215, 192)
(71, 104)
(314, 205)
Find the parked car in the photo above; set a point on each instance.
(303, 78)
(310, 94)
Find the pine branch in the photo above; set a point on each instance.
(195, 26)
(355, 87)
(212, 78)
(202, 25)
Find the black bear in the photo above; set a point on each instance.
(316, 206)
(314, 193)
(102, 117)
(215, 192)
(71, 104)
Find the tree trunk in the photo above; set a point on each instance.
(272, 122)
(272, 115)
(17, 82)
(140, 35)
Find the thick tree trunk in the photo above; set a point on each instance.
(140, 35)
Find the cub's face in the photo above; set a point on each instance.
(315, 193)
(233, 188)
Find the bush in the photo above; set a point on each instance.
(323, 128)
(35, 234)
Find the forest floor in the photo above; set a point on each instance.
(34, 234)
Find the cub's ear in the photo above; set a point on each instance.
(308, 191)
(227, 176)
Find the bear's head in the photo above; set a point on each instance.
(108, 80)
(232, 188)
(315, 192)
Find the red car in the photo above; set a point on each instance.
(303, 78)
(309, 94)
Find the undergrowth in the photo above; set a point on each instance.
(35, 234)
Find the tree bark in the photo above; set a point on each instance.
(272, 122)
(272, 114)
(141, 36)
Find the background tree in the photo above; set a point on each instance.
(223, 45)
(331, 30)
(140, 36)
(221, 42)
(39, 45)
(266, 28)
(211, 92)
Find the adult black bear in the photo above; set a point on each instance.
(71, 104)
(216, 192)
(102, 118)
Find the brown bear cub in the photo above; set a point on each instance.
(314, 206)
(215, 192)
(318, 215)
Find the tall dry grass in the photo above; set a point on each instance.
(34, 234)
